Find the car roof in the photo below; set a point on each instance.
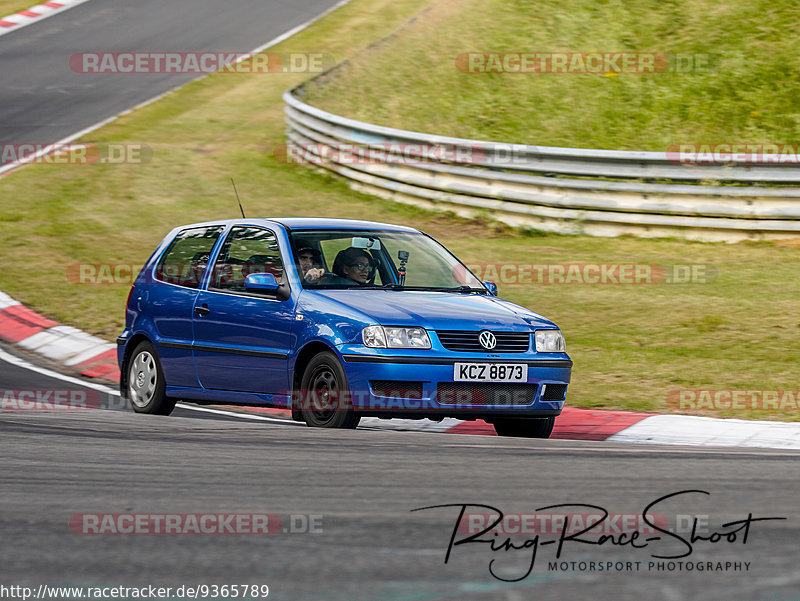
(310, 223)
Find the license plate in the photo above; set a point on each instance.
(490, 372)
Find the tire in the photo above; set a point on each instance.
(325, 399)
(540, 427)
(146, 386)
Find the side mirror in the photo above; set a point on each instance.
(264, 282)
(491, 286)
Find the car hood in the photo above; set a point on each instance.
(438, 310)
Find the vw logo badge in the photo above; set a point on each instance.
(487, 340)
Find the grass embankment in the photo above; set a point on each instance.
(9, 7)
(411, 81)
(631, 344)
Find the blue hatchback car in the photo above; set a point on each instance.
(335, 319)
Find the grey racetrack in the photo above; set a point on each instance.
(364, 484)
(43, 101)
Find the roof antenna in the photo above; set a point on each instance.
(237, 198)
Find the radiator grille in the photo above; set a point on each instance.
(485, 393)
(466, 341)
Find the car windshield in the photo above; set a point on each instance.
(388, 260)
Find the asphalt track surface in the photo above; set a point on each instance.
(42, 100)
(364, 483)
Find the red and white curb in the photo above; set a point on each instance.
(35, 14)
(93, 357)
(88, 355)
(709, 431)
(572, 424)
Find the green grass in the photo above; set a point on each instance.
(632, 344)
(9, 7)
(411, 81)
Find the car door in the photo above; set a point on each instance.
(169, 301)
(242, 339)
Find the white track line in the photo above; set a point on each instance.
(57, 146)
(14, 360)
(19, 362)
(250, 416)
(782, 444)
(47, 12)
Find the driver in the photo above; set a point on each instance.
(308, 257)
(353, 264)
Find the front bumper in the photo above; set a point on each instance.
(434, 394)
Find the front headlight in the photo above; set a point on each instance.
(550, 341)
(395, 337)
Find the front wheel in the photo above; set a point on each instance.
(540, 427)
(325, 395)
(146, 384)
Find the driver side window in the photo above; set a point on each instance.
(246, 250)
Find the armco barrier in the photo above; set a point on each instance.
(641, 193)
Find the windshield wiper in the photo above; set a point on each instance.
(464, 289)
(393, 286)
(390, 286)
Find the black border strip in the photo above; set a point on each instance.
(180, 345)
(236, 351)
(224, 350)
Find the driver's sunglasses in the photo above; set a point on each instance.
(361, 266)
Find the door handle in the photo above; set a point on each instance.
(204, 310)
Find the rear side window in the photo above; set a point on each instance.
(186, 258)
(246, 250)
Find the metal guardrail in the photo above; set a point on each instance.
(530, 186)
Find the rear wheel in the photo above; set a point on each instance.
(525, 427)
(146, 385)
(325, 399)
